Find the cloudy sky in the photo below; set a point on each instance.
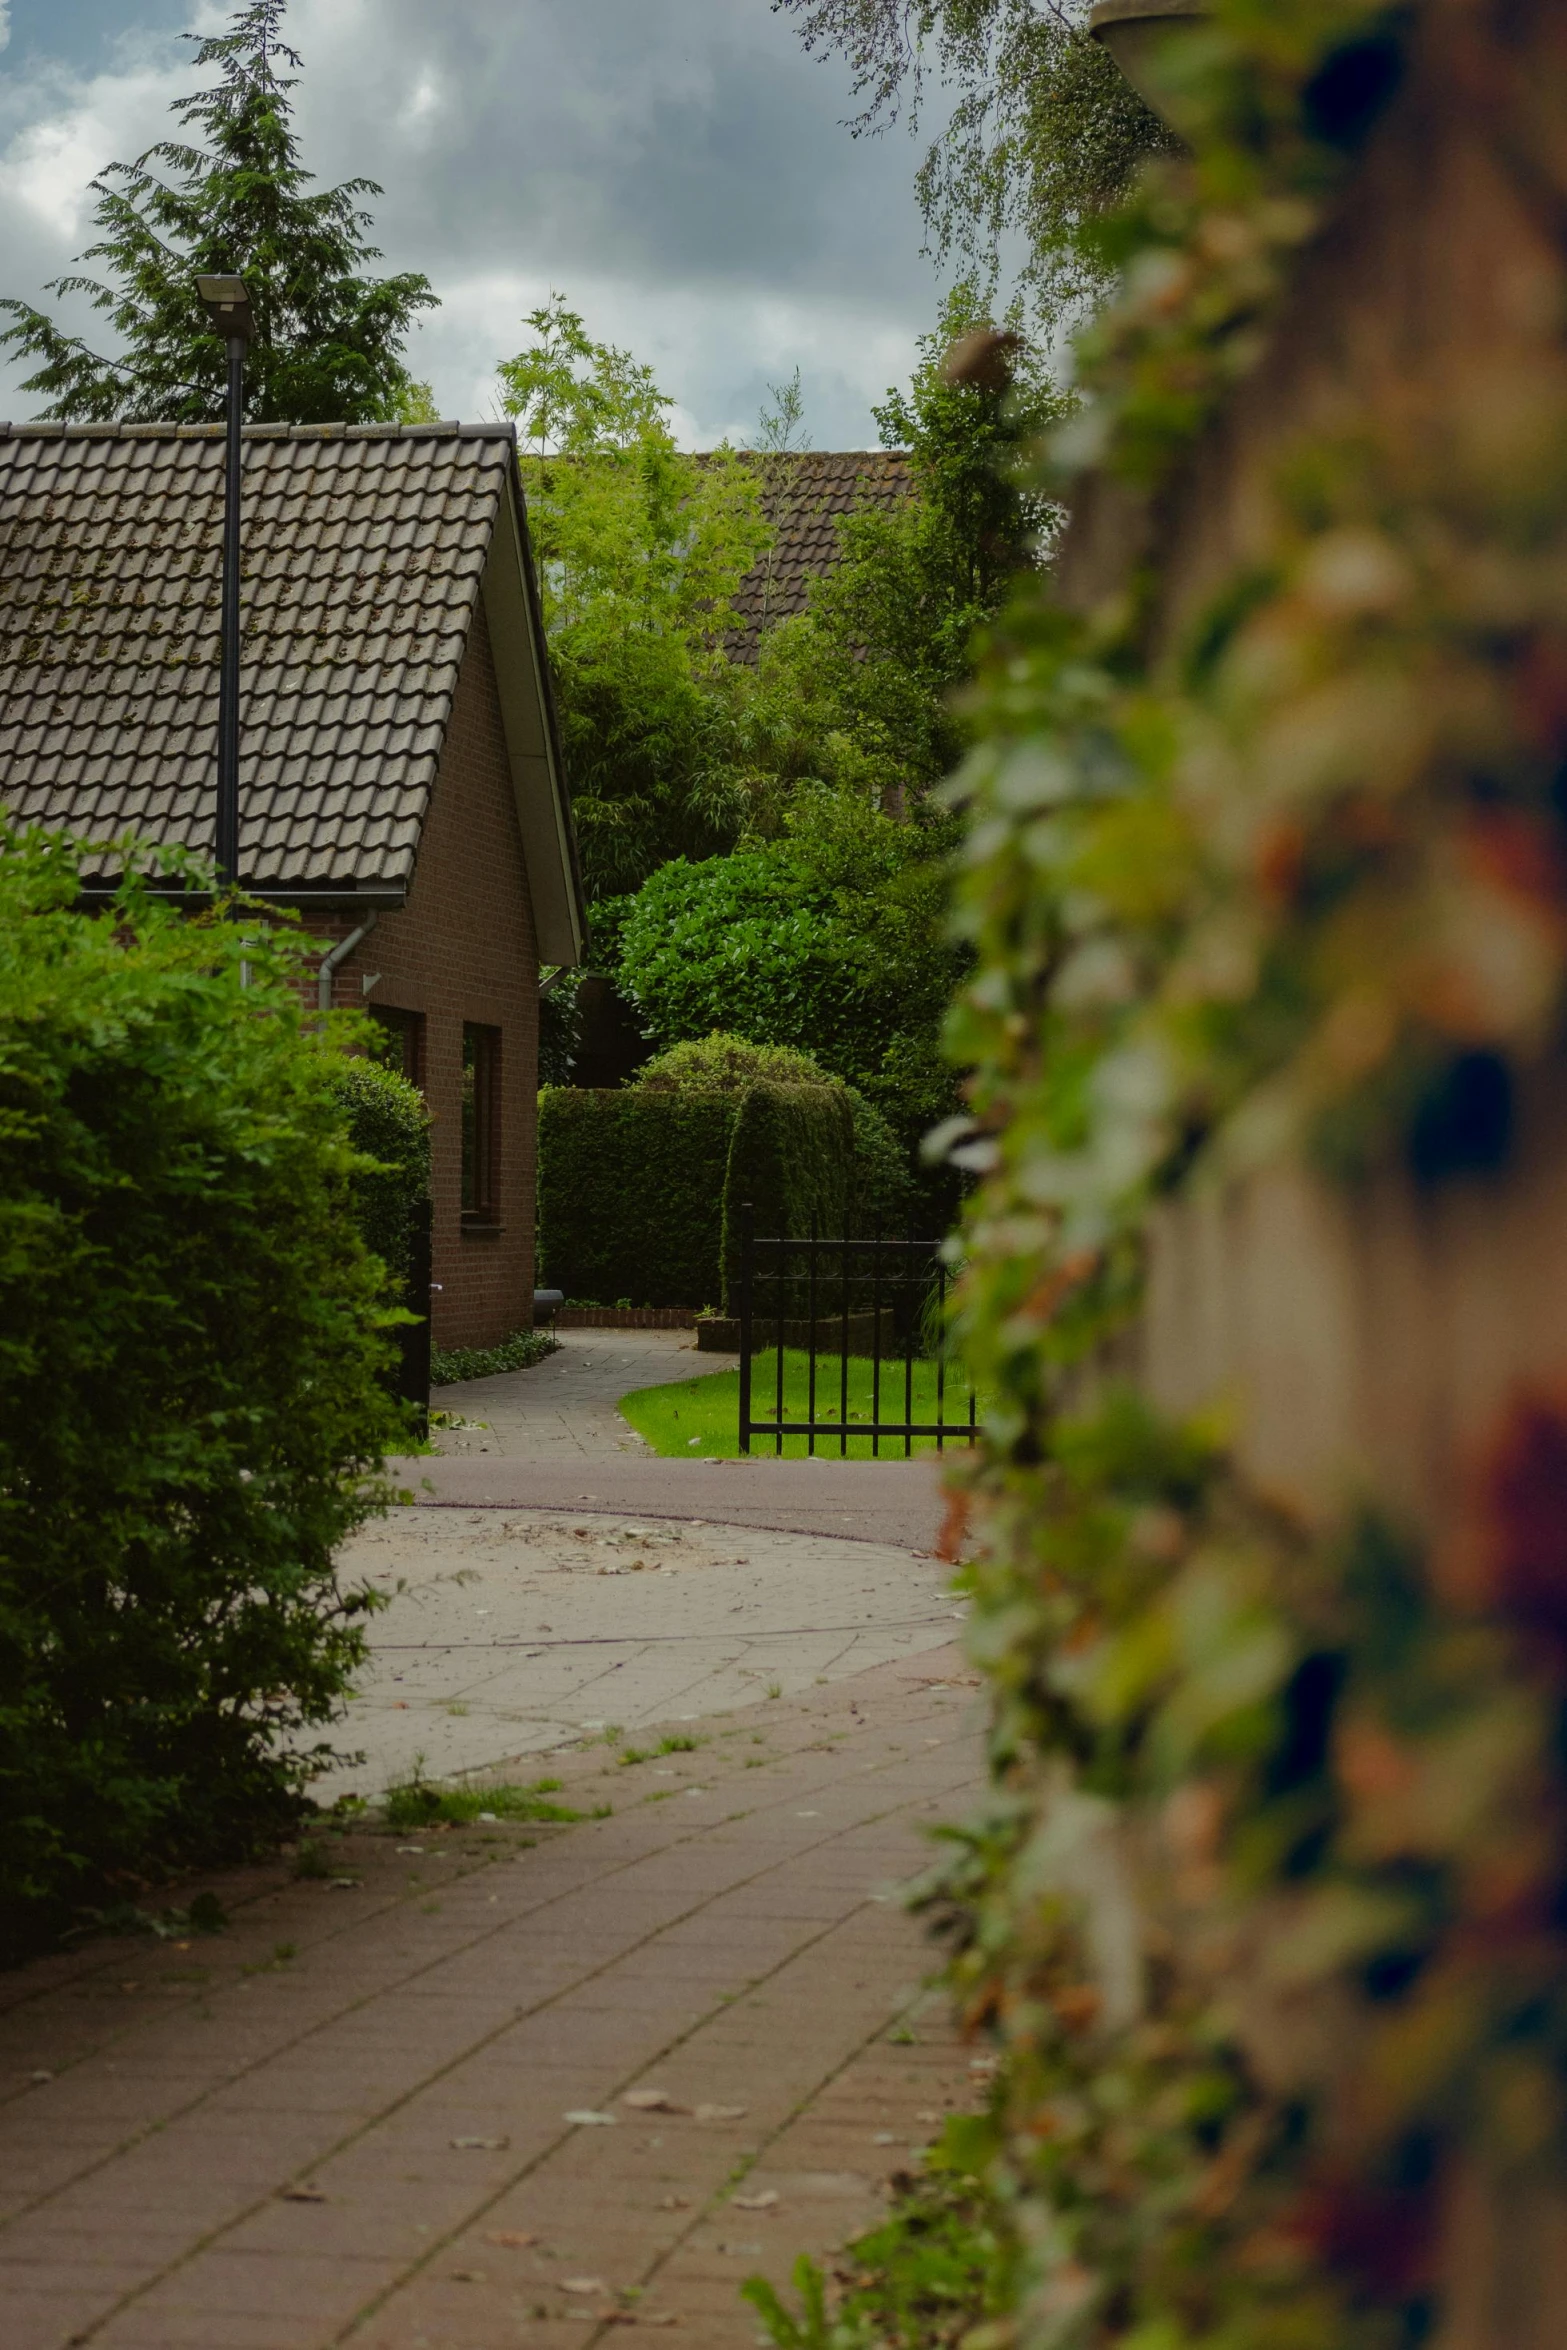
(677, 167)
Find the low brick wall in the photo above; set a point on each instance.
(721, 1334)
(623, 1318)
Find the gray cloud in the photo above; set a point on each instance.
(678, 167)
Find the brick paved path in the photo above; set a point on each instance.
(344, 2120)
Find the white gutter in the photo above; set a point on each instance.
(335, 957)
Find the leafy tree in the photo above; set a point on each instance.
(830, 938)
(232, 197)
(1045, 137)
(641, 549)
(861, 690)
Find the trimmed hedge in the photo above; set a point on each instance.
(631, 1193)
(640, 1190)
(193, 1410)
(792, 1157)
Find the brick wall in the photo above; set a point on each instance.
(463, 949)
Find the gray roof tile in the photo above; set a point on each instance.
(363, 555)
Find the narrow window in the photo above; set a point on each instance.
(399, 1041)
(481, 1088)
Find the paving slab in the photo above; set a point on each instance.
(509, 1633)
(349, 2118)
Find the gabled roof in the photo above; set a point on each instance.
(805, 495)
(367, 550)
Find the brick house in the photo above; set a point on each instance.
(401, 784)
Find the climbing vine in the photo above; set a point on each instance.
(1267, 1910)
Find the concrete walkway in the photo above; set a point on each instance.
(563, 1409)
(495, 2085)
(512, 1632)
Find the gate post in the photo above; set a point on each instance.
(747, 1219)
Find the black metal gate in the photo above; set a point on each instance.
(865, 1323)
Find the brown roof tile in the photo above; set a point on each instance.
(806, 496)
(364, 551)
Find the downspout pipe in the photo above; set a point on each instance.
(335, 957)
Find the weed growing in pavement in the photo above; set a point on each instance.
(635, 1754)
(283, 1953)
(418, 1802)
(680, 1742)
(311, 1861)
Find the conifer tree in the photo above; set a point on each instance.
(232, 195)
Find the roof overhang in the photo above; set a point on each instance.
(516, 622)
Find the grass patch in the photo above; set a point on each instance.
(699, 1419)
(450, 1365)
(419, 1802)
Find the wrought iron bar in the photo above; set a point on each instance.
(747, 1221)
(905, 1279)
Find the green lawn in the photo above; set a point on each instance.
(699, 1419)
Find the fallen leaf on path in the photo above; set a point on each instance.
(39, 2078)
(675, 2203)
(763, 2202)
(583, 2285)
(302, 2194)
(720, 2113)
(665, 2317)
(513, 2239)
(343, 1884)
(481, 2145)
(653, 2101)
(885, 2138)
(586, 2119)
(467, 2276)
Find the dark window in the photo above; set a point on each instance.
(399, 1042)
(481, 1102)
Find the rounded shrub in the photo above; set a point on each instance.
(389, 1126)
(721, 1063)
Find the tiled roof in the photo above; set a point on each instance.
(806, 496)
(364, 550)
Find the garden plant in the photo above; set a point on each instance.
(195, 1348)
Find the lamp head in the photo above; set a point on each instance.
(226, 301)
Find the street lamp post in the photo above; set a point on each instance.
(227, 304)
